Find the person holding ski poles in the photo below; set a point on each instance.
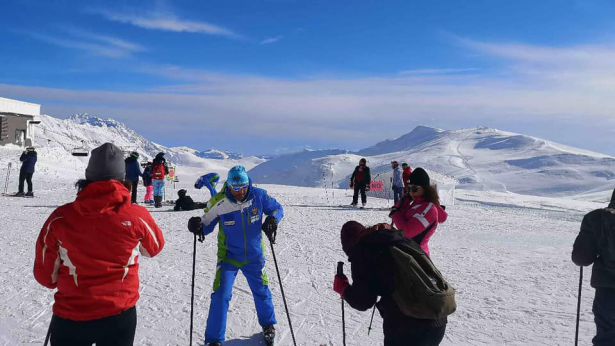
(419, 214)
(238, 211)
(595, 245)
(374, 275)
(88, 250)
(359, 181)
(209, 180)
(28, 161)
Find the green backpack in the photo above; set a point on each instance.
(420, 289)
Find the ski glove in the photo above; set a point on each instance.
(340, 284)
(195, 226)
(367, 187)
(270, 227)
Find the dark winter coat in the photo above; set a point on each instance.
(373, 276)
(186, 203)
(596, 244)
(133, 169)
(147, 176)
(28, 161)
(360, 178)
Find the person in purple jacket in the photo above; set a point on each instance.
(28, 161)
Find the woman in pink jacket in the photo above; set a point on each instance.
(418, 217)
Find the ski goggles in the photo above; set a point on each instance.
(238, 188)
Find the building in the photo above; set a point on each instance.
(16, 120)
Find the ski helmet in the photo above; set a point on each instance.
(238, 177)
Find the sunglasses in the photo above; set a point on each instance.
(414, 188)
(238, 188)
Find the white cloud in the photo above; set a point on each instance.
(270, 40)
(166, 21)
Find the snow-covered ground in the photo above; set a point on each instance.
(507, 255)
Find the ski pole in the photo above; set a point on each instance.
(275, 261)
(576, 335)
(369, 329)
(192, 296)
(340, 271)
(8, 175)
(48, 332)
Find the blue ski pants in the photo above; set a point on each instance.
(223, 291)
(158, 187)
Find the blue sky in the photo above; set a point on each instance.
(265, 76)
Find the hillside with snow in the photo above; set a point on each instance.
(474, 159)
(58, 138)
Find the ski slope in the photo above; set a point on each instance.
(510, 263)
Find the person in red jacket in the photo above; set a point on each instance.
(406, 171)
(89, 251)
(418, 217)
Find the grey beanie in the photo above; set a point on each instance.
(106, 163)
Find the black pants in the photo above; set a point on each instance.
(355, 197)
(27, 177)
(116, 330)
(416, 336)
(135, 185)
(604, 316)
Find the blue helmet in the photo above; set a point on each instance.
(237, 177)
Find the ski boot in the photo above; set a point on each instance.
(29, 194)
(19, 194)
(269, 335)
(363, 205)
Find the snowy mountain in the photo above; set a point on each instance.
(55, 140)
(478, 159)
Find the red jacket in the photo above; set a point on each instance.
(413, 218)
(88, 250)
(406, 175)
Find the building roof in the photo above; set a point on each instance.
(10, 106)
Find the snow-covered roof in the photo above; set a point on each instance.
(19, 107)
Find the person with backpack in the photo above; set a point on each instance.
(133, 172)
(88, 250)
(209, 180)
(595, 245)
(28, 160)
(397, 183)
(160, 169)
(375, 273)
(185, 202)
(147, 182)
(238, 211)
(418, 217)
(359, 181)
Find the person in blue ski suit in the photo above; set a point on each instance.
(209, 181)
(238, 211)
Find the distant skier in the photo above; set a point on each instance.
(133, 172)
(88, 250)
(160, 169)
(209, 181)
(397, 183)
(185, 202)
(238, 211)
(147, 182)
(359, 181)
(373, 276)
(418, 217)
(28, 161)
(406, 174)
(595, 245)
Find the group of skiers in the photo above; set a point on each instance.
(88, 250)
(153, 175)
(361, 179)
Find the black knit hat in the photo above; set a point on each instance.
(419, 177)
(106, 163)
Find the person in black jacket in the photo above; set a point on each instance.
(359, 181)
(185, 202)
(133, 172)
(596, 244)
(373, 276)
(28, 161)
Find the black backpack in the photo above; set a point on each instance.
(420, 289)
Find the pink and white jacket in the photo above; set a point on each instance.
(413, 218)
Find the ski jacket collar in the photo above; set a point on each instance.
(102, 197)
(442, 215)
